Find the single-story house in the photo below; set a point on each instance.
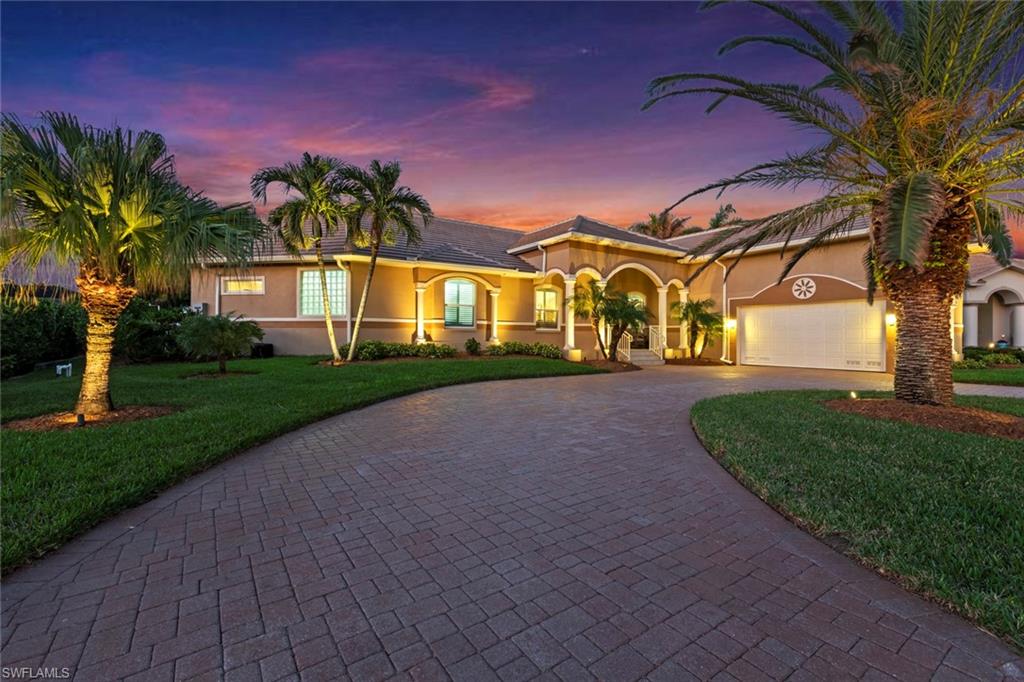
(495, 284)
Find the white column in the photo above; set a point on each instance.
(494, 315)
(1017, 325)
(602, 329)
(663, 314)
(569, 316)
(421, 335)
(970, 324)
(684, 295)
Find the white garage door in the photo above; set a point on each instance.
(842, 335)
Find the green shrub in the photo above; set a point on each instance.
(473, 346)
(218, 336)
(1006, 355)
(544, 350)
(146, 332)
(1000, 359)
(969, 363)
(39, 331)
(380, 350)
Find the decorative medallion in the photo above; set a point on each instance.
(804, 288)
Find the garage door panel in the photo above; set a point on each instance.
(838, 335)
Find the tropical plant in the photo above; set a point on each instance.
(381, 210)
(109, 202)
(588, 301)
(921, 131)
(320, 208)
(701, 322)
(39, 330)
(621, 314)
(724, 217)
(662, 225)
(147, 331)
(218, 336)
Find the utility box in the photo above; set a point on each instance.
(262, 350)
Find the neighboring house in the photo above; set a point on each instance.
(470, 280)
(993, 304)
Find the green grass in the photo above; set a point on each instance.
(1010, 376)
(58, 484)
(942, 511)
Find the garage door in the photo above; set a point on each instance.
(841, 335)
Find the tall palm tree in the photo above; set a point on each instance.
(381, 211)
(662, 225)
(109, 201)
(724, 217)
(698, 316)
(920, 122)
(320, 208)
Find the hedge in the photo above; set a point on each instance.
(39, 331)
(544, 350)
(380, 350)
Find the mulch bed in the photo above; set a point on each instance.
(610, 366)
(65, 421)
(960, 419)
(693, 361)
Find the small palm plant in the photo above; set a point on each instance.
(701, 322)
(303, 221)
(920, 122)
(622, 313)
(662, 225)
(381, 209)
(588, 301)
(724, 217)
(109, 202)
(218, 336)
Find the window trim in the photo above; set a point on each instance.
(335, 314)
(444, 302)
(224, 279)
(557, 309)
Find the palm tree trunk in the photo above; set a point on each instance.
(104, 303)
(222, 364)
(374, 248)
(693, 339)
(328, 320)
(595, 324)
(924, 346)
(613, 343)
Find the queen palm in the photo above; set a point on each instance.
(662, 225)
(920, 132)
(109, 202)
(588, 301)
(621, 313)
(381, 210)
(697, 315)
(303, 221)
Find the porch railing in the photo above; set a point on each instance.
(624, 346)
(656, 342)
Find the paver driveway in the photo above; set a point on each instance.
(556, 528)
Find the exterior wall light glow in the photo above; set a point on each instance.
(890, 319)
(730, 323)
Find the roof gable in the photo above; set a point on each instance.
(588, 227)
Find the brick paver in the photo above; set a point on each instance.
(566, 528)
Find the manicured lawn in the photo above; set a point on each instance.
(1013, 376)
(58, 484)
(941, 510)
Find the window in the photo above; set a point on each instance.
(546, 307)
(459, 303)
(311, 298)
(242, 286)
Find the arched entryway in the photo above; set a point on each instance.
(993, 318)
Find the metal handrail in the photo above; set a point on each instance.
(656, 342)
(624, 346)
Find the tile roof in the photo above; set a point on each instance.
(981, 265)
(592, 228)
(691, 241)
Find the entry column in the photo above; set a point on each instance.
(663, 316)
(970, 324)
(684, 295)
(1017, 325)
(569, 316)
(421, 336)
(494, 315)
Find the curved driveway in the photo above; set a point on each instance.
(564, 528)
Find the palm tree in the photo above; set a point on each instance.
(109, 201)
(724, 217)
(662, 225)
(588, 301)
(381, 209)
(320, 206)
(698, 317)
(920, 123)
(621, 313)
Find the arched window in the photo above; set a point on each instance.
(459, 303)
(546, 308)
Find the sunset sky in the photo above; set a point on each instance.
(510, 114)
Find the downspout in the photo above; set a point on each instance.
(725, 319)
(544, 259)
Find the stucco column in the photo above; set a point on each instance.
(663, 315)
(1017, 325)
(494, 315)
(970, 324)
(421, 335)
(569, 316)
(684, 295)
(602, 329)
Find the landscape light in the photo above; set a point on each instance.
(853, 395)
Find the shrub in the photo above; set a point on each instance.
(544, 350)
(218, 336)
(969, 363)
(1006, 355)
(380, 350)
(39, 331)
(1000, 359)
(147, 332)
(473, 346)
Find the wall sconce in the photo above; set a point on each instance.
(730, 323)
(890, 319)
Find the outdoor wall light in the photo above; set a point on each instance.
(730, 323)
(890, 319)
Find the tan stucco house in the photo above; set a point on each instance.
(495, 284)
